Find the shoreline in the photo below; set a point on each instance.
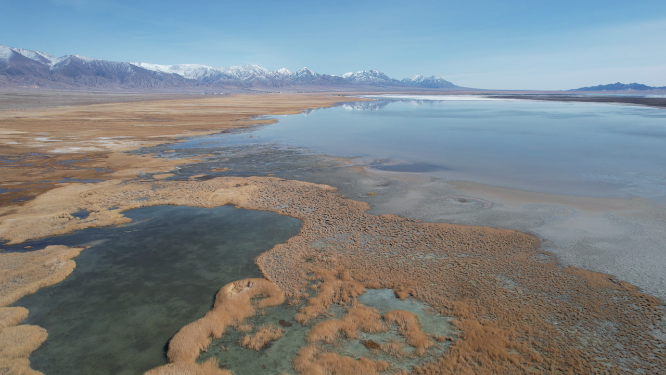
(243, 196)
(42, 148)
(590, 98)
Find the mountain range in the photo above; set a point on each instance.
(620, 87)
(21, 67)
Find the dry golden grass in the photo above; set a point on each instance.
(309, 361)
(20, 341)
(410, 329)
(245, 327)
(483, 348)
(334, 287)
(264, 336)
(209, 367)
(11, 316)
(394, 348)
(16, 344)
(19, 366)
(24, 273)
(233, 303)
(358, 318)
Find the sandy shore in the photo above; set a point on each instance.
(518, 309)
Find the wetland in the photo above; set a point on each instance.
(138, 284)
(353, 287)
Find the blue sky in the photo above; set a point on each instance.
(534, 44)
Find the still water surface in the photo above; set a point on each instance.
(584, 149)
(131, 292)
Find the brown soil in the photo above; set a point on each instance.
(285, 323)
(517, 309)
(371, 344)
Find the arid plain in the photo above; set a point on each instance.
(515, 307)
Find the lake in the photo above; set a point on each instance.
(582, 149)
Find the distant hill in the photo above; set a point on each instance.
(21, 67)
(620, 87)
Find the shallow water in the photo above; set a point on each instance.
(583, 149)
(277, 357)
(140, 283)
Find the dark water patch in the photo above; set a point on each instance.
(82, 181)
(81, 214)
(140, 283)
(253, 160)
(412, 167)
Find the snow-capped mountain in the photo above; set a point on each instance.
(20, 67)
(209, 73)
(429, 82)
(34, 55)
(368, 76)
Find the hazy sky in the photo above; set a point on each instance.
(495, 44)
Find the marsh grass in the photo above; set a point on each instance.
(310, 361)
(244, 327)
(409, 328)
(264, 336)
(22, 274)
(210, 367)
(11, 316)
(19, 341)
(358, 318)
(394, 348)
(502, 330)
(335, 287)
(235, 302)
(17, 366)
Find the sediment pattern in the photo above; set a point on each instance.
(517, 310)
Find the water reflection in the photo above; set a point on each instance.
(552, 147)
